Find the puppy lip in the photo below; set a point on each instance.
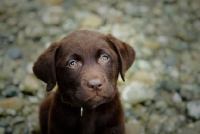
(96, 98)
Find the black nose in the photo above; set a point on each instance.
(95, 84)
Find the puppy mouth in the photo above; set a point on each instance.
(96, 98)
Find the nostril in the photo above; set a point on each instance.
(94, 84)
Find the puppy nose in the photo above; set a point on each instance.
(94, 84)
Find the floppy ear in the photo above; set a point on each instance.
(125, 53)
(44, 67)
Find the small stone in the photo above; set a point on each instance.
(155, 124)
(10, 91)
(14, 53)
(14, 103)
(186, 91)
(144, 65)
(18, 76)
(161, 104)
(177, 98)
(170, 60)
(31, 84)
(33, 100)
(16, 120)
(143, 77)
(11, 112)
(53, 15)
(154, 45)
(193, 108)
(35, 30)
(171, 124)
(12, 22)
(29, 67)
(170, 85)
(137, 93)
(191, 128)
(92, 21)
(134, 127)
(53, 2)
(2, 130)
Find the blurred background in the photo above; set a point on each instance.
(161, 94)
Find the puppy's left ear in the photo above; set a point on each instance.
(125, 52)
(44, 67)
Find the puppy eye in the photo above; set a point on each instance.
(72, 63)
(104, 57)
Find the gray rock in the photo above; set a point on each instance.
(179, 46)
(170, 85)
(31, 84)
(35, 29)
(153, 45)
(143, 65)
(177, 98)
(2, 130)
(143, 77)
(155, 124)
(16, 120)
(92, 21)
(10, 91)
(14, 53)
(53, 2)
(14, 103)
(53, 15)
(171, 124)
(186, 91)
(170, 60)
(134, 127)
(192, 128)
(193, 108)
(137, 93)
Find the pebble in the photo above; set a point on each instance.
(143, 65)
(53, 15)
(2, 130)
(143, 77)
(193, 108)
(31, 84)
(134, 127)
(155, 124)
(153, 45)
(92, 22)
(170, 85)
(14, 103)
(16, 120)
(34, 30)
(14, 53)
(10, 91)
(170, 60)
(137, 93)
(192, 128)
(53, 2)
(177, 98)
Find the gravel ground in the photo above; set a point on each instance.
(161, 94)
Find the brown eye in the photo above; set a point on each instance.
(72, 63)
(104, 57)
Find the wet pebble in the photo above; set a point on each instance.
(14, 53)
(193, 108)
(10, 91)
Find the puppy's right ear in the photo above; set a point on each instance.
(44, 67)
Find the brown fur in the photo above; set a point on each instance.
(85, 65)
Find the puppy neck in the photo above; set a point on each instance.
(86, 108)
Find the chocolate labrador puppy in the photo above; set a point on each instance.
(85, 66)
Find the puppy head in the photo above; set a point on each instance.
(85, 64)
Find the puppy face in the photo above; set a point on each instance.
(85, 65)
